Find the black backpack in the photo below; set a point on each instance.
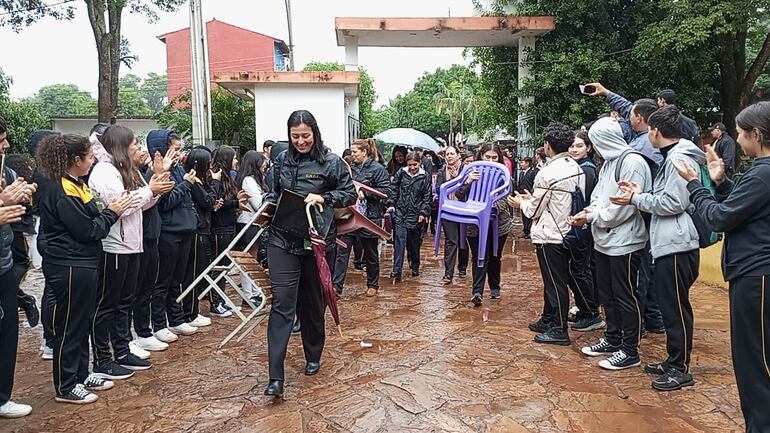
(577, 234)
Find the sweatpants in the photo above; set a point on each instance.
(674, 274)
(47, 312)
(294, 279)
(147, 292)
(616, 276)
(20, 253)
(491, 269)
(750, 343)
(115, 298)
(409, 239)
(9, 333)
(554, 268)
(219, 243)
(199, 259)
(173, 252)
(452, 248)
(647, 291)
(581, 279)
(75, 291)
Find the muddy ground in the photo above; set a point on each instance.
(437, 364)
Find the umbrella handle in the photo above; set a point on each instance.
(307, 211)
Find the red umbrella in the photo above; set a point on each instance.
(319, 251)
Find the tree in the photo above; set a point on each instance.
(131, 104)
(105, 17)
(22, 117)
(458, 100)
(64, 100)
(154, 90)
(130, 81)
(366, 94)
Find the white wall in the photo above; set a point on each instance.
(274, 103)
(83, 126)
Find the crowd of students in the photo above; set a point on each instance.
(616, 211)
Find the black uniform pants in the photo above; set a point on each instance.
(674, 274)
(294, 278)
(341, 261)
(358, 252)
(20, 253)
(75, 294)
(527, 225)
(146, 293)
(452, 248)
(219, 243)
(554, 268)
(616, 276)
(750, 342)
(491, 269)
(581, 280)
(173, 252)
(112, 318)
(47, 312)
(199, 260)
(647, 291)
(9, 333)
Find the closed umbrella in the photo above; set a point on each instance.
(318, 245)
(408, 137)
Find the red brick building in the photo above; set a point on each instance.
(231, 49)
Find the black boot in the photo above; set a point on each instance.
(274, 388)
(297, 326)
(311, 368)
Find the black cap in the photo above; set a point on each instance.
(719, 125)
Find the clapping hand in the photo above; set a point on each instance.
(158, 163)
(11, 214)
(580, 218)
(716, 165)
(685, 170)
(243, 201)
(190, 176)
(517, 198)
(171, 158)
(627, 191)
(121, 204)
(17, 192)
(161, 184)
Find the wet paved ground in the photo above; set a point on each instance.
(436, 365)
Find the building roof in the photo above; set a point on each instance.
(441, 32)
(281, 43)
(241, 83)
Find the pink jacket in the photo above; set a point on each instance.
(125, 236)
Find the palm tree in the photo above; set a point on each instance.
(447, 102)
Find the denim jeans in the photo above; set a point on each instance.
(406, 239)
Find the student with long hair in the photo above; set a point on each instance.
(741, 210)
(225, 215)
(453, 167)
(397, 161)
(203, 196)
(311, 169)
(491, 270)
(74, 227)
(251, 179)
(115, 175)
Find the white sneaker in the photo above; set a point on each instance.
(46, 352)
(14, 410)
(138, 351)
(200, 322)
(166, 336)
(151, 343)
(78, 395)
(183, 329)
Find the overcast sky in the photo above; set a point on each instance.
(53, 52)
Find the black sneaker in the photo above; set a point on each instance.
(540, 326)
(358, 266)
(572, 318)
(673, 380)
(221, 309)
(446, 280)
(462, 274)
(113, 371)
(476, 299)
(395, 277)
(588, 324)
(603, 347)
(620, 361)
(297, 327)
(554, 335)
(655, 329)
(659, 368)
(415, 273)
(133, 362)
(77, 395)
(494, 294)
(93, 383)
(31, 311)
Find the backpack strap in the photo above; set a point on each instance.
(621, 158)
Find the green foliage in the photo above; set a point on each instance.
(131, 104)
(177, 116)
(22, 117)
(64, 100)
(154, 91)
(366, 97)
(130, 81)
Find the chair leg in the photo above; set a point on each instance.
(483, 233)
(495, 237)
(463, 236)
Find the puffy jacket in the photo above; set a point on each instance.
(329, 178)
(412, 196)
(150, 216)
(671, 228)
(617, 230)
(126, 236)
(177, 214)
(73, 224)
(372, 174)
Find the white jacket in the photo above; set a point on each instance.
(551, 201)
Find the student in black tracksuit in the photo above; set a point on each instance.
(74, 227)
(312, 170)
(581, 279)
(203, 196)
(225, 214)
(741, 210)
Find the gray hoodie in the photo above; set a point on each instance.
(671, 230)
(617, 230)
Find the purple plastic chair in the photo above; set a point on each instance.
(479, 209)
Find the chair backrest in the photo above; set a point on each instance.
(493, 176)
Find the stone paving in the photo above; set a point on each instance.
(436, 365)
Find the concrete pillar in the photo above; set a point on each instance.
(351, 53)
(526, 124)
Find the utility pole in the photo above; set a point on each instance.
(201, 87)
(291, 38)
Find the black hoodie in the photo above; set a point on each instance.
(742, 211)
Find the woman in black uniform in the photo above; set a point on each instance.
(312, 170)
